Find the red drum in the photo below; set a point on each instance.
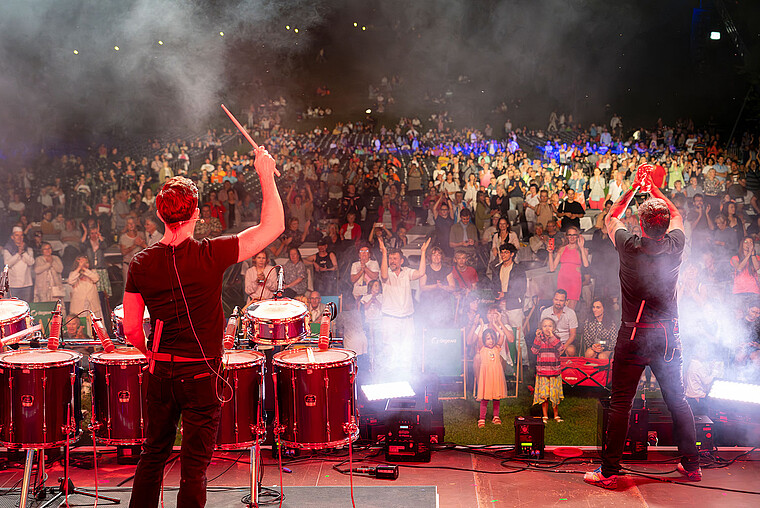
(276, 322)
(117, 322)
(14, 317)
(119, 391)
(316, 395)
(237, 425)
(37, 398)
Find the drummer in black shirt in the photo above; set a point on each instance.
(179, 280)
(648, 333)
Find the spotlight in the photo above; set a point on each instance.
(735, 392)
(388, 390)
(287, 27)
(715, 36)
(295, 30)
(221, 34)
(116, 48)
(76, 52)
(364, 28)
(160, 43)
(368, 111)
(356, 24)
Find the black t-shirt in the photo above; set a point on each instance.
(573, 208)
(649, 271)
(443, 230)
(200, 266)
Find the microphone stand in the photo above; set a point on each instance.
(278, 293)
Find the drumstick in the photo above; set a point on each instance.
(240, 127)
(641, 308)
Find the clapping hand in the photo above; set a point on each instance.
(424, 245)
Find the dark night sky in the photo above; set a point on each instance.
(572, 55)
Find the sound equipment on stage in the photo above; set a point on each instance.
(129, 455)
(408, 426)
(705, 433)
(529, 437)
(637, 440)
(381, 472)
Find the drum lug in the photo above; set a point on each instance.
(327, 428)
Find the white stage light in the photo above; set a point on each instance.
(736, 392)
(116, 48)
(388, 390)
(368, 111)
(715, 36)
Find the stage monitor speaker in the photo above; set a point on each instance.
(529, 437)
(408, 429)
(637, 440)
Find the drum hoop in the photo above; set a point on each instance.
(117, 442)
(276, 321)
(321, 446)
(305, 366)
(116, 361)
(39, 446)
(235, 446)
(16, 319)
(244, 365)
(34, 365)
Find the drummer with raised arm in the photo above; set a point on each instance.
(179, 280)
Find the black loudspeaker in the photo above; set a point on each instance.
(705, 433)
(529, 437)
(636, 441)
(408, 429)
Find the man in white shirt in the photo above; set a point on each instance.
(566, 320)
(152, 233)
(19, 258)
(363, 271)
(398, 322)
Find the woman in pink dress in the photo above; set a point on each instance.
(570, 258)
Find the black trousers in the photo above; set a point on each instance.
(174, 390)
(662, 352)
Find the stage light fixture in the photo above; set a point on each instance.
(356, 24)
(395, 390)
(715, 36)
(160, 43)
(221, 34)
(368, 111)
(295, 30)
(364, 28)
(736, 392)
(287, 27)
(116, 48)
(76, 52)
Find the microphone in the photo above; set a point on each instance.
(231, 330)
(324, 328)
(278, 294)
(381, 472)
(6, 289)
(102, 334)
(55, 328)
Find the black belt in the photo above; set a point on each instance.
(655, 324)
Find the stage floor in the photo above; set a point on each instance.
(449, 477)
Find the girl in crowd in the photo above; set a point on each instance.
(570, 258)
(372, 309)
(491, 382)
(548, 380)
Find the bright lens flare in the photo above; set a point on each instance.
(287, 27)
(160, 43)
(295, 30)
(76, 52)
(368, 111)
(116, 48)
(356, 24)
(364, 28)
(221, 34)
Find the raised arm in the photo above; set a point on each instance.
(384, 261)
(612, 220)
(419, 272)
(676, 220)
(252, 240)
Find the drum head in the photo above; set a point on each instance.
(277, 309)
(12, 309)
(118, 313)
(236, 359)
(126, 354)
(39, 358)
(299, 358)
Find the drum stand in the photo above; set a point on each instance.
(256, 466)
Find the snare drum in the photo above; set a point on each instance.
(37, 398)
(276, 322)
(240, 415)
(119, 391)
(14, 316)
(117, 321)
(316, 398)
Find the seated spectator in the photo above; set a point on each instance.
(463, 235)
(260, 279)
(48, 285)
(700, 373)
(73, 328)
(84, 290)
(315, 307)
(599, 332)
(566, 320)
(294, 275)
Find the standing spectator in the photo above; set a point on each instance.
(398, 308)
(463, 278)
(435, 298)
(463, 235)
(566, 321)
(547, 348)
(217, 208)
(351, 231)
(84, 290)
(570, 258)
(131, 242)
(491, 382)
(597, 186)
(372, 310)
(325, 269)
(120, 212)
(94, 247)
(48, 284)
(545, 211)
(19, 258)
(570, 211)
(443, 224)
(152, 234)
(746, 264)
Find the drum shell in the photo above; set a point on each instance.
(19, 321)
(315, 403)
(37, 400)
(239, 415)
(273, 331)
(119, 393)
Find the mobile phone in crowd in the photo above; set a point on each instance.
(550, 244)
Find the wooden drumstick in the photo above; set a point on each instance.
(633, 333)
(240, 127)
